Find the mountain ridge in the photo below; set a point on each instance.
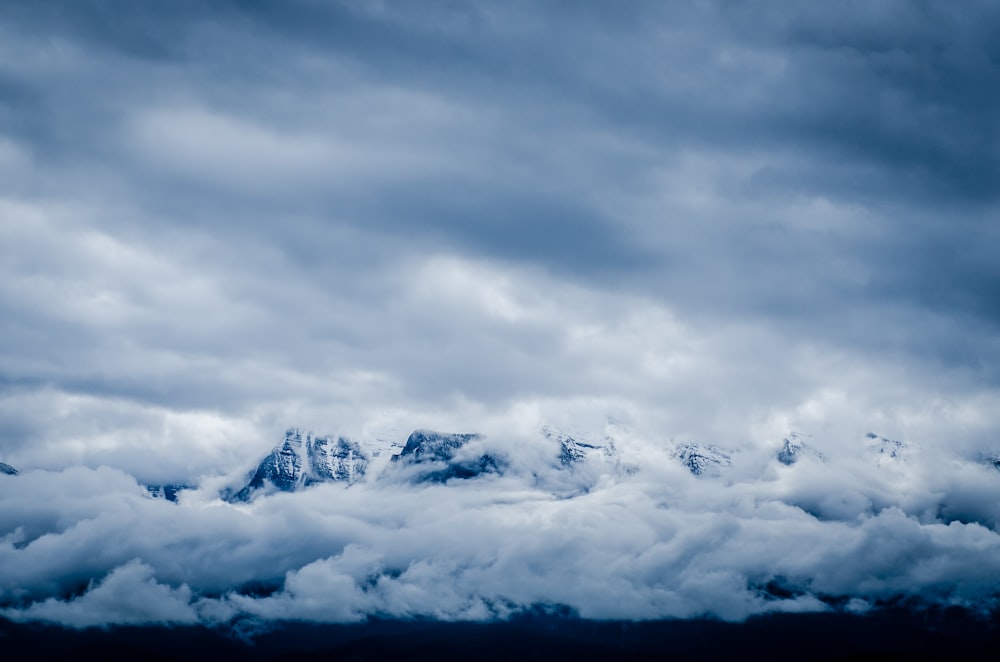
(303, 459)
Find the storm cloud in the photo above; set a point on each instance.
(713, 222)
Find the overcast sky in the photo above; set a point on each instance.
(708, 221)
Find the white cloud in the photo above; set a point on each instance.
(657, 543)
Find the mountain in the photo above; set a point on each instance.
(168, 492)
(335, 460)
(702, 460)
(571, 450)
(445, 456)
(302, 459)
(794, 449)
(791, 450)
(7, 469)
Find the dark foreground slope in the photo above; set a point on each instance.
(893, 634)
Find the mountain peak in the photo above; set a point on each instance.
(794, 449)
(427, 445)
(302, 459)
(703, 460)
(791, 449)
(571, 450)
(7, 469)
(443, 455)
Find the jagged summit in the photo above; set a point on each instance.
(702, 460)
(7, 469)
(429, 446)
(794, 449)
(340, 459)
(791, 449)
(571, 449)
(302, 459)
(445, 457)
(428, 456)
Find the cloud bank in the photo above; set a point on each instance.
(637, 536)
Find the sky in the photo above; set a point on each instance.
(713, 221)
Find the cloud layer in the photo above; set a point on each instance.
(634, 536)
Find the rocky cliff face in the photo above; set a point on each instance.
(443, 457)
(335, 460)
(703, 460)
(794, 449)
(791, 450)
(572, 451)
(302, 459)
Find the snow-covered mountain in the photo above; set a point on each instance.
(794, 449)
(573, 451)
(302, 459)
(441, 456)
(577, 461)
(7, 469)
(703, 460)
(791, 449)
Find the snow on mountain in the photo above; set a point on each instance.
(791, 450)
(338, 459)
(703, 460)
(7, 469)
(302, 460)
(571, 449)
(578, 461)
(794, 449)
(442, 457)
